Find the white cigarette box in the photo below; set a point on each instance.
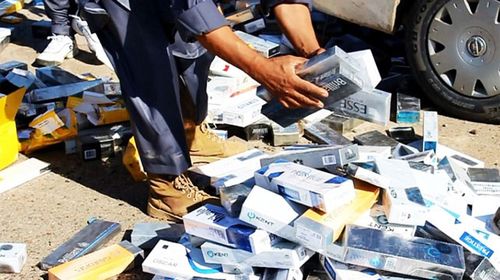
(12, 257)
(213, 223)
(404, 206)
(430, 131)
(370, 153)
(341, 271)
(271, 212)
(306, 185)
(376, 218)
(369, 71)
(243, 111)
(169, 259)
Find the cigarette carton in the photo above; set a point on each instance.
(369, 73)
(282, 274)
(232, 198)
(404, 206)
(376, 219)
(408, 109)
(466, 233)
(375, 138)
(285, 136)
(306, 185)
(415, 256)
(213, 223)
(430, 131)
(102, 264)
(327, 157)
(341, 271)
(317, 230)
(322, 134)
(340, 123)
(271, 212)
(333, 70)
(87, 240)
(146, 235)
(484, 181)
(12, 257)
(265, 48)
(61, 91)
(371, 105)
(370, 153)
(243, 111)
(169, 259)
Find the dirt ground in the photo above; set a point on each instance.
(47, 211)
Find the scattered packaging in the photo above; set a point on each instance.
(322, 134)
(257, 131)
(321, 157)
(169, 259)
(479, 268)
(232, 170)
(306, 185)
(376, 219)
(408, 109)
(213, 223)
(265, 48)
(56, 92)
(271, 212)
(369, 72)
(333, 70)
(102, 264)
(285, 136)
(404, 206)
(403, 134)
(94, 147)
(12, 257)
(243, 112)
(370, 153)
(54, 76)
(22, 172)
(8, 66)
(317, 230)
(415, 256)
(232, 198)
(430, 131)
(87, 240)
(371, 105)
(365, 173)
(146, 235)
(281, 274)
(132, 161)
(341, 271)
(9, 146)
(375, 138)
(484, 181)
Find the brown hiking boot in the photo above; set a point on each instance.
(171, 197)
(204, 143)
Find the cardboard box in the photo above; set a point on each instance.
(213, 223)
(369, 73)
(22, 172)
(169, 259)
(12, 257)
(85, 241)
(359, 172)
(340, 123)
(306, 185)
(484, 181)
(282, 274)
(102, 264)
(9, 146)
(271, 212)
(415, 256)
(370, 153)
(341, 271)
(285, 136)
(325, 157)
(8, 66)
(232, 198)
(371, 105)
(430, 131)
(404, 206)
(375, 138)
(317, 230)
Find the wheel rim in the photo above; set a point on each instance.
(464, 46)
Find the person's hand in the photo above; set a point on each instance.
(278, 76)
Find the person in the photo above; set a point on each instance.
(62, 43)
(161, 51)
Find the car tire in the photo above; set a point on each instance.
(430, 30)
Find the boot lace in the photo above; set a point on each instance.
(184, 184)
(205, 129)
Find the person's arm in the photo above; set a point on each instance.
(278, 75)
(295, 22)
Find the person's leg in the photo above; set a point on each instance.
(137, 44)
(62, 44)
